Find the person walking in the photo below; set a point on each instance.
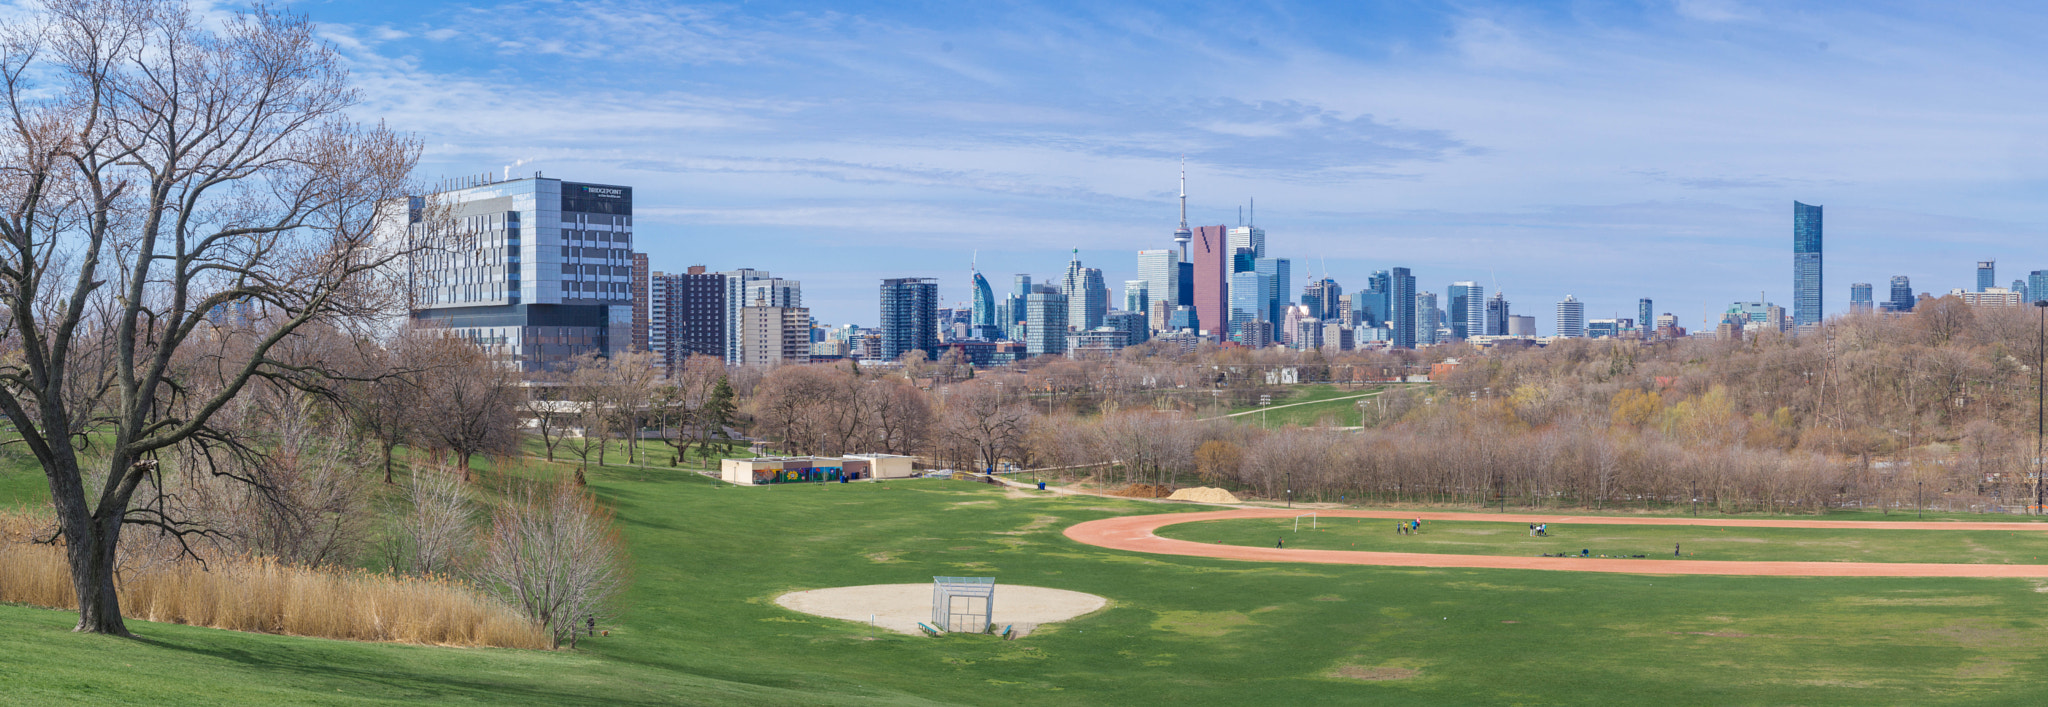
(1280, 543)
(1674, 550)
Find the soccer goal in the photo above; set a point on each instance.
(1311, 521)
(963, 603)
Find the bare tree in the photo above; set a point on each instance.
(552, 552)
(467, 403)
(161, 173)
(437, 533)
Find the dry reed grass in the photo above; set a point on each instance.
(263, 596)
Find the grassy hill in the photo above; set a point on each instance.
(700, 626)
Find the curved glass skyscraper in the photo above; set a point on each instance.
(1806, 298)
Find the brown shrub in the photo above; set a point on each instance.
(264, 596)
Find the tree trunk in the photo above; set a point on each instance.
(89, 545)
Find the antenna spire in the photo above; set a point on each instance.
(1184, 234)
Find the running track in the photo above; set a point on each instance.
(1134, 533)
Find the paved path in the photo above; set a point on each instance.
(1134, 533)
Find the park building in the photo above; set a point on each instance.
(534, 270)
(767, 471)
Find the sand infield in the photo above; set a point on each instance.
(1134, 533)
(899, 607)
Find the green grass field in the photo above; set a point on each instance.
(1329, 402)
(700, 626)
(1698, 543)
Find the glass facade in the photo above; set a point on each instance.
(1248, 302)
(910, 319)
(1806, 264)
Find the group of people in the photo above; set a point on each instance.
(1539, 529)
(1408, 527)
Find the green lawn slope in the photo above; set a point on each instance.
(700, 625)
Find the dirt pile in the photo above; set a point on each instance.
(1204, 494)
(1142, 491)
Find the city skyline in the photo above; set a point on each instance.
(1435, 138)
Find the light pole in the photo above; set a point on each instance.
(2040, 305)
(1919, 499)
(1290, 489)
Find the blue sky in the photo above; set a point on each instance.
(1606, 150)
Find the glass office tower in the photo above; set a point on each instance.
(1806, 262)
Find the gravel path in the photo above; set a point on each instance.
(1134, 533)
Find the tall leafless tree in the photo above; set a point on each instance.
(159, 173)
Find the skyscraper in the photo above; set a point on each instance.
(1045, 323)
(1248, 302)
(1137, 297)
(1644, 318)
(910, 320)
(2037, 285)
(1467, 309)
(1400, 302)
(1987, 274)
(1859, 298)
(736, 297)
(1497, 315)
(535, 271)
(2020, 286)
(1571, 318)
(1322, 298)
(1372, 304)
(1276, 271)
(1087, 295)
(1160, 269)
(1806, 264)
(686, 316)
(1212, 279)
(640, 301)
(1426, 322)
(1902, 294)
(984, 317)
(1013, 319)
(1250, 238)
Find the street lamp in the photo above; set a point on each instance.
(1290, 489)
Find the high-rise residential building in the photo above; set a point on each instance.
(2037, 285)
(1987, 274)
(1211, 286)
(983, 320)
(1571, 318)
(1277, 285)
(1859, 298)
(1045, 323)
(1323, 298)
(2020, 287)
(640, 302)
(1467, 306)
(1644, 316)
(774, 336)
(910, 317)
(1902, 295)
(1400, 302)
(1496, 316)
(686, 316)
(1806, 264)
(1137, 296)
(738, 294)
(1160, 271)
(535, 271)
(1426, 320)
(1248, 302)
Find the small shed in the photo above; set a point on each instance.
(760, 471)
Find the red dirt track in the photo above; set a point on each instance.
(1134, 533)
